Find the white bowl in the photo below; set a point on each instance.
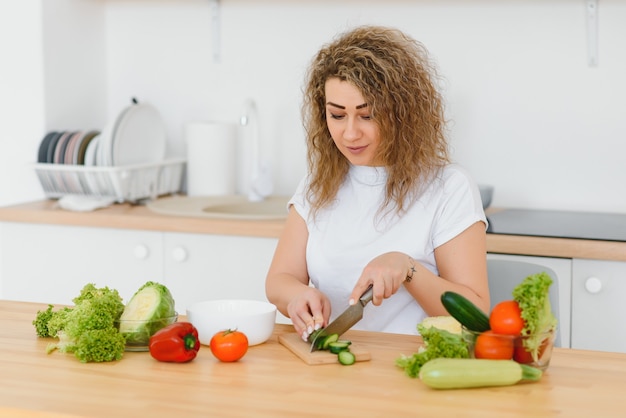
(254, 318)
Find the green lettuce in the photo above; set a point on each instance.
(533, 297)
(437, 343)
(86, 329)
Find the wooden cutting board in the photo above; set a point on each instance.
(302, 349)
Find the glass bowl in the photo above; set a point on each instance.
(137, 333)
(520, 353)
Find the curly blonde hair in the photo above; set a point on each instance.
(397, 80)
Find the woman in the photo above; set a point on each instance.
(382, 205)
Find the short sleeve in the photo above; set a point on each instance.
(460, 205)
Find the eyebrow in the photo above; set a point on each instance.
(361, 106)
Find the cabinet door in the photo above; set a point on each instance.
(562, 267)
(203, 267)
(598, 291)
(51, 264)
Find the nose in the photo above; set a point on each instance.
(352, 130)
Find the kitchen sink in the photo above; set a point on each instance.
(222, 207)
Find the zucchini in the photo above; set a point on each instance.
(455, 373)
(464, 311)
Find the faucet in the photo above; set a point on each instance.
(260, 178)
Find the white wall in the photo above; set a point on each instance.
(528, 114)
(21, 98)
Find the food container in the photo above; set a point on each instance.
(254, 318)
(520, 354)
(138, 333)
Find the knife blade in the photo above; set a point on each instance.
(343, 322)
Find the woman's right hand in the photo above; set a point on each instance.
(309, 311)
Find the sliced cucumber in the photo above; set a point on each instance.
(346, 358)
(328, 340)
(339, 346)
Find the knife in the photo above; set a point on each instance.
(343, 322)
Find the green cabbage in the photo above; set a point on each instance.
(150, 309)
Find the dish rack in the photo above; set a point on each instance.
(129, 183)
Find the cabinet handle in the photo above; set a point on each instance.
(179, 254)
(141, 252)
(593, 285)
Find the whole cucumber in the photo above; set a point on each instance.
(464, 311)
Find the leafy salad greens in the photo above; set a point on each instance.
(438, 342)
(98, 327)
(533, 298)
(87, 329)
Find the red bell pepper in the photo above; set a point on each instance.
(177, 342)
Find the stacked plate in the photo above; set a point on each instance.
(136, 136)
(66, 147)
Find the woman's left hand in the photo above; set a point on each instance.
(386, 273)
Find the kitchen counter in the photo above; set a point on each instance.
(127, 216)
(270, 381)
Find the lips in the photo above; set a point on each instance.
(357, 150)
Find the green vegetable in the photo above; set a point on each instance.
(437, 343)
(443, 322)
(464, 311)
(330, 339)
(333, 344)
(147, 312)
(41, 322)
(339, 346)
(533, 297)
(346, 358)
(58, 321)
(447, 373)
(87, 329)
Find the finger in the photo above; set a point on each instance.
(326, 310)
(359, 288)
(386, 288)
(378, 293)
(299, 318)
(302, 329)
(318, 315)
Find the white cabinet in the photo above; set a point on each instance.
(201, 267)
(562, 267)
(598, 294)
(49, 263)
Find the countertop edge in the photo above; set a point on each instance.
(556, 247)
(127, 216)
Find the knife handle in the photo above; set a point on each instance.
(367, 296)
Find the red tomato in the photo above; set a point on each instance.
(522, 356)
(229, 345)
(492, 346)
(506, 318)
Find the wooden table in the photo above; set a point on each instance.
(270, 381)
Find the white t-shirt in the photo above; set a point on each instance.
(345, 236)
